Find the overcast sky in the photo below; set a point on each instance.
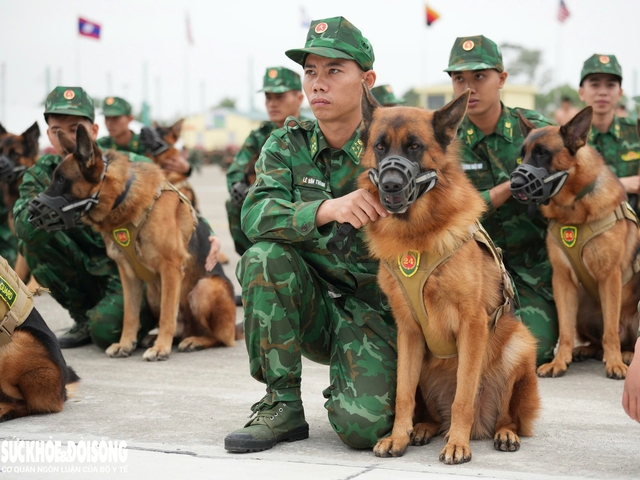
(236, 40)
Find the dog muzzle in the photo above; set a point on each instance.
(9, 171)
(58, 213)
(152, 141)
(529, 184)
(400, 182)
(239, 193)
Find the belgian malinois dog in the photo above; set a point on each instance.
(155, 237)
(592, 242)
(458, 338)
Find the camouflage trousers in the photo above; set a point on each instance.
(240, 240)
(540, 316)
(8, 244)
(289, 313)
(96, 299)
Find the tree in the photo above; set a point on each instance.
(524, 62)
(547, 102)
(227, 102)
(411, 98)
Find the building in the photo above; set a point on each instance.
(436, 96)
(219, 129)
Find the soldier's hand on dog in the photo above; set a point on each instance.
(357, 208)
(176, 163)
(631, 184)
(631, 392)
(212, 257)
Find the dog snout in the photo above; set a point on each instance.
(392, 181)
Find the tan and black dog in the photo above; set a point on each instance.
(34, 377)
(153, 234)
(458, 338)
(592, 240)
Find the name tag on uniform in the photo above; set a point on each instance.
(311, 181)
(473, 166)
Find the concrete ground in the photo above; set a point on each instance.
(174, 416)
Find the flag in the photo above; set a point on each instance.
(88, 29)
(431, 15)
(305, 19)
(189, 33)
(563, 12)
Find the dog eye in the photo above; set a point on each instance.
(414, 146)
(379, 146)
(60, 178)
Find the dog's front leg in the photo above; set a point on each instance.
(610, 290)
(132, 296)
(411, 352)
(471, 348)
(171, 281)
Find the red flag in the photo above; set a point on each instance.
(189, 34)
(87, 28)
(431, 15)
(563, 12)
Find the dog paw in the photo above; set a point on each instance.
(190, 344)
(120, 350)
(423, 433)
(6, 413)
(506, 441)
(454, 454)
(627, 357)
(616, 371)
(552, 369)
(391, 447)
(155, 354)
(584, 352)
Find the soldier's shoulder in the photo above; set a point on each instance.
(49, 159)
(627, 123)
(534, 117)
(104, 141)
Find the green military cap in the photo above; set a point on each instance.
(475, 53)
(280, 80)
(335, 37)
(115, 106)
(384, 95)
(601, 64)
(69, 101)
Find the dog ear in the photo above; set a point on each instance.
(525, 125)
(30, 139)
(68, 146)
(84, 153)
(575, 132)
(368, 104)
(176, 128)
(2, 130)
(447, 118)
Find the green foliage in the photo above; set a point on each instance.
(411, 98)
(547, 102)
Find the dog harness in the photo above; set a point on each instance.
(16, 302)
(572, 238)
(413, 270)
(126, 235)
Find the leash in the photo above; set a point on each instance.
(346, 233)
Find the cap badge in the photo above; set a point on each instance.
(109, 101)
(273, 73)
(69, 94)
(468, 45)
(388, 89)
(321, 27)
(604, 59)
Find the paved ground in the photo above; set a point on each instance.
(174, 416)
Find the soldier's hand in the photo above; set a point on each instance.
(631, 184)
(175, 163)
(212, 256)
(357, 208)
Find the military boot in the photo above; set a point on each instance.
(77, 336)
(280, 422)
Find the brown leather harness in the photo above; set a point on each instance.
(16, 302)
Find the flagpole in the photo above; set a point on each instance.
(78, 82)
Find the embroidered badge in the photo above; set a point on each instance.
(273, 73)
(468, 45)
(409, 263)
(321, 27)
(569, 236)
(69, 94)
(314, 145)
(7, 293)
(630, 156)
(356, 148)
(122, 237)
(604, 59)
(109, 101)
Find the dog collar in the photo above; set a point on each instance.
(124, 192)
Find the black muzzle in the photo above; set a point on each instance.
(531, 184)
(57, 213)
(9, 171)
(154, 144)
(400, 182)
(239, 193)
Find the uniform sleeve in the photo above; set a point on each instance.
(272, 209)
(34, 181)
(134, 157)
(249, 149)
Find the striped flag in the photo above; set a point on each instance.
(563, 12)
(431, 15)
(87, 28)
(305, 19)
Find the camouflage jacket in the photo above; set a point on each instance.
(83, 237)
(296, 172)
(619, 147)
(251, 147)
(488, 161)
(133, 146)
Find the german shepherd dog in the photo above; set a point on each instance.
(34, 377)
(596, 291)
(171, 246)
(486, 385)
(17, 154)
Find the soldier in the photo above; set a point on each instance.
(491, 141)
(613, 137)
(299, 298)
(566, 111)
(73, 264)
(283, 98)
(117, 116)
(385, 97)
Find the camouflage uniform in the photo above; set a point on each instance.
(276, 80)
(302, 300)
(488, 161)
(619, 145)
(115, 107)
(8, 241)
(385, 97)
